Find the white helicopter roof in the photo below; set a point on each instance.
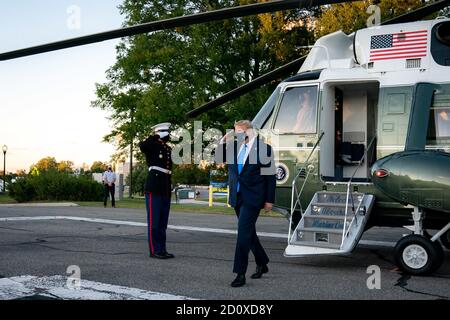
(390, 48)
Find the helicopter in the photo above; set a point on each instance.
(369, 144)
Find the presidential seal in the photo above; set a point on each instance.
(282, 173)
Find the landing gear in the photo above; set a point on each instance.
(417, 254)
(444, 235)
(445, 240)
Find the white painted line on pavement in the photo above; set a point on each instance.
(57, 287)
(173, 227)
(40, 204)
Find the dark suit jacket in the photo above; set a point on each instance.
(257, 179)
(157, 154)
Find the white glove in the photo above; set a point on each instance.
(163, 134)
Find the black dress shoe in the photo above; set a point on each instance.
(260, 270)
(168, 255)
(158, 256)
(239, 281)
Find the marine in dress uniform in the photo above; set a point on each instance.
(158, 188)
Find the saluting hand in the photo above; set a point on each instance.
(229, 136)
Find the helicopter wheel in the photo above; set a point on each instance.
(418, 255)
(445, 240)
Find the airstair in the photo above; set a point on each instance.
(333, 222)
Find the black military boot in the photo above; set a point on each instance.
(168, 255)
(158, 256)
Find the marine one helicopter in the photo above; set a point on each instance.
(369, 142)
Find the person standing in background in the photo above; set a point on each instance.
(109, 181)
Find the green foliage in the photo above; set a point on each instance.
(219, 174)
(160, 76)
(98, 167)
(46, 164)
(181, 174)
(56, 186)
(190, 174)
(139, 175)
(65, 166)
(352, 16)
(50, 163)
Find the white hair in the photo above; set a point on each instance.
(247, 124)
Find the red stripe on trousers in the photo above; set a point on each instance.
(152, 249)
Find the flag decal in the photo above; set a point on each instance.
(402, 45)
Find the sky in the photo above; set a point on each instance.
(45, 99)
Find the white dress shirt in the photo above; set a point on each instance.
(109, 177)
(249, 147)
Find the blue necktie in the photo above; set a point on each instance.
(240, 162)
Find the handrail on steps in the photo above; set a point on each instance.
(294, 187)
(346, 229)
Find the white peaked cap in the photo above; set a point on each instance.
(165, 126)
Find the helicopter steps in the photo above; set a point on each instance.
(321, 229)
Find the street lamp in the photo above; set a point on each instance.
(4, 148)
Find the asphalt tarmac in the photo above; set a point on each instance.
(38, 244)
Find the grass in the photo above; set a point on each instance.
(139, 203)
(6, 199)
(216, 199)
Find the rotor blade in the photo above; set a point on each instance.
(419, 13)
(249, 86)
(221, 14)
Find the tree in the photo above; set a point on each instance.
(46, 164)
(350, 17)
(21, 173)
(140, 171)
(190, 174)
(160, 76)
(98, 167)
(65, 166)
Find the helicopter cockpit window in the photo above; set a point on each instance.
(261, 120)
(298, 111)
(439, 125)
(439, 122)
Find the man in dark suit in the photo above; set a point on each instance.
(251, 179)
(158, 156)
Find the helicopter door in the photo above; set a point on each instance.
(348, 119)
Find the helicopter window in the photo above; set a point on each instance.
(298, 111)
(439, 125)
(262, 118)
(439, 122)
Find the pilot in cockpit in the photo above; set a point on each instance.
(305, 119)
